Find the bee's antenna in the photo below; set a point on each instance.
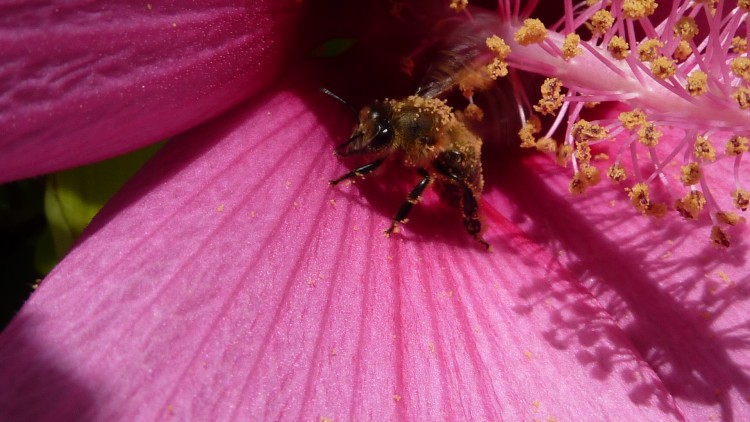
(342, 101)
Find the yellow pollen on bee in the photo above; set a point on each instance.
(601, 22)
(683, 51)
(663, 67)
(648, 49)
(618, 47)
(532, 31)
(697, 83)
(736, 145)
(686, 28)
(703, 149)
(617, 173)
(690, 174)
(637, 9)
(552, 97)
(690, 205)
(741, 68)
(571, 46)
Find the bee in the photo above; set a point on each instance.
(431, 138)
(428, 135)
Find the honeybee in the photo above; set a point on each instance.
(428, 135)
(431, 138)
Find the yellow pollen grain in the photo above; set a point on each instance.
(474, 112)
(591, 175)
(719, 237)
(648, 49)
(686, 28)
(663, 67)
(741, 68)
(571, 46)
(683, 51)
(528, 130)
(649, 135)
(639, 197)
(637, 9)
(742, 96)
(618, 47)
(741, 199)
(697, 83)
(703, 149)
(729, 218)
(498, 45)
(459, 5)
(497, 68)
(739, 45)
(632, 119)
(546, 145)
(690, 205)
(577, 184)
(690, 174)
(601, 22)
(552, 97)
(617, 173)
(736, 145)
(563, 154)
(583, 131)
(531, 32)
(583, 152)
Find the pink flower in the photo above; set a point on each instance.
(229, 281)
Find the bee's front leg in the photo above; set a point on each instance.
(358, 172)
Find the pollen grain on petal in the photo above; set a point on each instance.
(690, 205)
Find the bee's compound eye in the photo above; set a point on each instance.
(382, 138)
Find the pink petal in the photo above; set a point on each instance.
(84, 81)
(683, 302)
(228, 281)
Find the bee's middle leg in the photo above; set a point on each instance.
(412, 199)
(470, 211)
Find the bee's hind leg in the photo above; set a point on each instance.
(470, 210)
(412, 199)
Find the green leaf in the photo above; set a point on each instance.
(73, 197)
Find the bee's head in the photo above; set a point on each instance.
(373, 133)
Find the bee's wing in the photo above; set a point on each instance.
(458, 48)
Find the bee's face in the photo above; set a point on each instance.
(373, 133)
